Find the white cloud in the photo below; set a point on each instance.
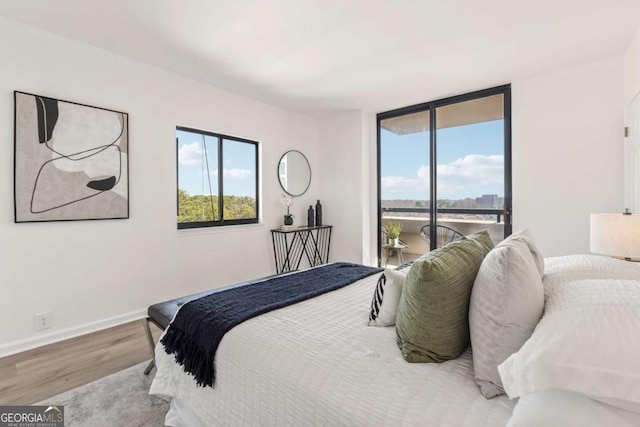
(398, 184)
(472, 170)
(236, 173)
(469, 171)
(228, 173)
(190, 154)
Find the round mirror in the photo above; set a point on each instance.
(294, 173)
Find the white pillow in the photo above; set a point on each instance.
(561, 408)
(526, 236)
(386, 297)
(586, 342)
(583, 266)
(506, 304)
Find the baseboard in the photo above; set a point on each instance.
(65, 334)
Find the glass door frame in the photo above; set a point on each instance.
(432, 106)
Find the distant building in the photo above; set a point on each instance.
(490, 200)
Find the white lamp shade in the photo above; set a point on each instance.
(616, 235)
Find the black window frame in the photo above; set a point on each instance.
(431, 106)
(221, 222)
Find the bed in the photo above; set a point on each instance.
(318, 362)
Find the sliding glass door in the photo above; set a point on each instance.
(445, 170)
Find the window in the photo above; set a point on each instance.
(208, 197)
(446, 162)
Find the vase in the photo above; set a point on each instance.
(318, 214)
(310, 217)
(288, 220)
(394, 242)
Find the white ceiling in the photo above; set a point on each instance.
(318, 56)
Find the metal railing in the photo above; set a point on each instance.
(471, 211)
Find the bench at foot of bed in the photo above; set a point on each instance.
(162, 313)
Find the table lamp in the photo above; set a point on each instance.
(616, 235)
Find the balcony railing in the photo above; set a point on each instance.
(471, 211)
(466, 221)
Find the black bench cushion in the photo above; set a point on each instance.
(162, 313)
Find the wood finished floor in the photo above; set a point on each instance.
(34, 375)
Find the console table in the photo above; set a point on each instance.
(289, 245)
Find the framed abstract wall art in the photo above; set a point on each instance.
(70, 161)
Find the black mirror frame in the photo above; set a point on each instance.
(278, 173)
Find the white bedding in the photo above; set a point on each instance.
(580, 366)
(318, 363)
(561, 408)
(593, 267)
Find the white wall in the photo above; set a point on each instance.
(349, 191)
(632, 70)
(93, 274)
(567, 152)
(567, 155)
(342, 187)
(632, 122)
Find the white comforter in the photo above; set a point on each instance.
(318, 363)
(584, 350)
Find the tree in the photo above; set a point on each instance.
(202, 208)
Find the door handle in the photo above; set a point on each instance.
(506, 211)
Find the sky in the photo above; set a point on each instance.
(470, 162)
(239, 169)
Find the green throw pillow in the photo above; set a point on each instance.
(432, 323)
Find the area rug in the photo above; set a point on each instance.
(121, 399)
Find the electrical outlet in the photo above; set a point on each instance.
(44, 320)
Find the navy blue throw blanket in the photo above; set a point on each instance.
(196, 331)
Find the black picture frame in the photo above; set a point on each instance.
(71, 160)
